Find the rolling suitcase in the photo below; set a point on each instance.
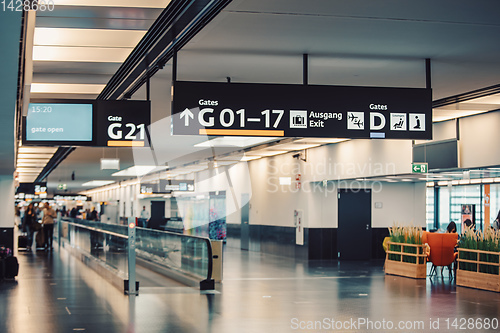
(40, 239)
(10, 267)
(22, 242)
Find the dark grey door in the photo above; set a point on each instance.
(157, 214)
(354, 235)
(245, 227)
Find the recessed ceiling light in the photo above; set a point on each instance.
(266, 153)
(110, 164)
(115, 3)
(137, 170)
(66, 88)
(81, 54)
(34, 156)
(98, 183)
(95, 38)
(36, 150)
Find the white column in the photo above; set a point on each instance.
(7, 201)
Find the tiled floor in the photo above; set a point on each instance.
(261, 293)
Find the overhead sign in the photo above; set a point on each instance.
(59, 122)
(149, 188)
(87, 123)
(167, 186)
(419, 168)
(242, 109)
(71, 197)
(123, 123)
(32, 188)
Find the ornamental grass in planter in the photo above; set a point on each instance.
(405, 252)
(478, 258)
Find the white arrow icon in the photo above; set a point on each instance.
(415, 168)
(186, 114)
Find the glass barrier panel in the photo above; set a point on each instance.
(108, 247)
(186, 254)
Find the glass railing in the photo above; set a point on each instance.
(188, 255)
(110, 247)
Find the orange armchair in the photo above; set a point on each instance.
(442, 250)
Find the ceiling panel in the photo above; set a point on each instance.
(356, 42)
(66, 88)
(116, 3)
(87, 37)
(95, 23)
(102, 12)
(84, 68)
(80, 54)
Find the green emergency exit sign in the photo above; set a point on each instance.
(419, 168)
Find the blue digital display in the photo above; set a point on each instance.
(59, 122)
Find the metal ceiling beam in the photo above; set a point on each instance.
(55, 160)
(177, 24)
(483, 92)
(173, 29)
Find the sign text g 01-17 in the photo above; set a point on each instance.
(244, 109)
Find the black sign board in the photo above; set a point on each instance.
(71, 197)
(123, 123)
(149, 188)
(59, 122)
(32, 188)
(243, 109)
(167, 186)
(170, 185)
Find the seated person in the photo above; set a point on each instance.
(451, 228)
(468, 223)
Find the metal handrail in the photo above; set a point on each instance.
(204, 239)
(95, 229)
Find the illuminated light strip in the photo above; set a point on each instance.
(114, 3)
(242, 132)
(125, 143)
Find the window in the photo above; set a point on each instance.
(429, 208)
(444, 207)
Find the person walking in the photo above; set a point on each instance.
(48, 225)
(28, 225)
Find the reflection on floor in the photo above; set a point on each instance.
(261, 293)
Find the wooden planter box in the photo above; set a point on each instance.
(477, 279)
(399, 267)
